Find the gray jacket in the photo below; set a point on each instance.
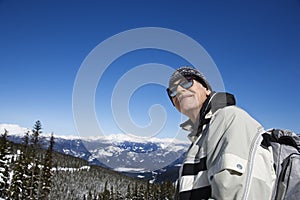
(225, 159)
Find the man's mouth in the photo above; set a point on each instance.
(182, 97)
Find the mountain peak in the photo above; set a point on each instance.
(17, 130)
(13, 129)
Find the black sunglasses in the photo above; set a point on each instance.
(185, 83)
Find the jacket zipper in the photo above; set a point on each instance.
(257, 142)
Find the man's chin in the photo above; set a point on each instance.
(187, 110)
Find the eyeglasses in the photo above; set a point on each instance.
(185, 83)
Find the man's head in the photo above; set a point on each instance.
(188, 90)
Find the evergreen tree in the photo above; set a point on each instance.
(155, 191)
(118, 195)
(90, 196)
(35, 182)
(170, 190)
(26, 139)
(106, 193)
(46, 173)
(162, 190)
(25, 148)
(4, 165)
(128, 194)
(17, 186)
(36, 131)
(147, 192)
(135, 191)
(112, 195)
(141, 193)
(26, 160)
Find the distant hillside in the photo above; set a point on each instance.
(75, 178)
(151, 159)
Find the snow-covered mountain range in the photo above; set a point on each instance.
(140, 157)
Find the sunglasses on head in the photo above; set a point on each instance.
(185, 83)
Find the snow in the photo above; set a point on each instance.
(107, 152)
(14, 129)
(70, 169)
(121, 151)
(119, 138)
(114, 149)
(101, 153)
(125, 169)
(131, 154)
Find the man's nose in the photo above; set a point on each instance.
(180, 89)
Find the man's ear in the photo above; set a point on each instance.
(207, 91)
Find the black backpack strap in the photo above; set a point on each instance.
(286, 137)
(267, 139)
(280, 136)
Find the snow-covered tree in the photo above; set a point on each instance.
(26, 160)
(46, 172)
(17, 187)
(4, 165)
(34, 185)
(128, 193)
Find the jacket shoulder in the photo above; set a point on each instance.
(232, 112)
(234, 125)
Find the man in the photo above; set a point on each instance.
(225, 159)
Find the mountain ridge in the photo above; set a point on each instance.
(134, 156)
(17, 130)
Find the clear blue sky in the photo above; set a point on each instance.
(255, 45)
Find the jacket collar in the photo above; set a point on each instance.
(214, 102)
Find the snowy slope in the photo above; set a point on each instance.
(120, 152)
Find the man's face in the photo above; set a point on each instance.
(189, 101)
